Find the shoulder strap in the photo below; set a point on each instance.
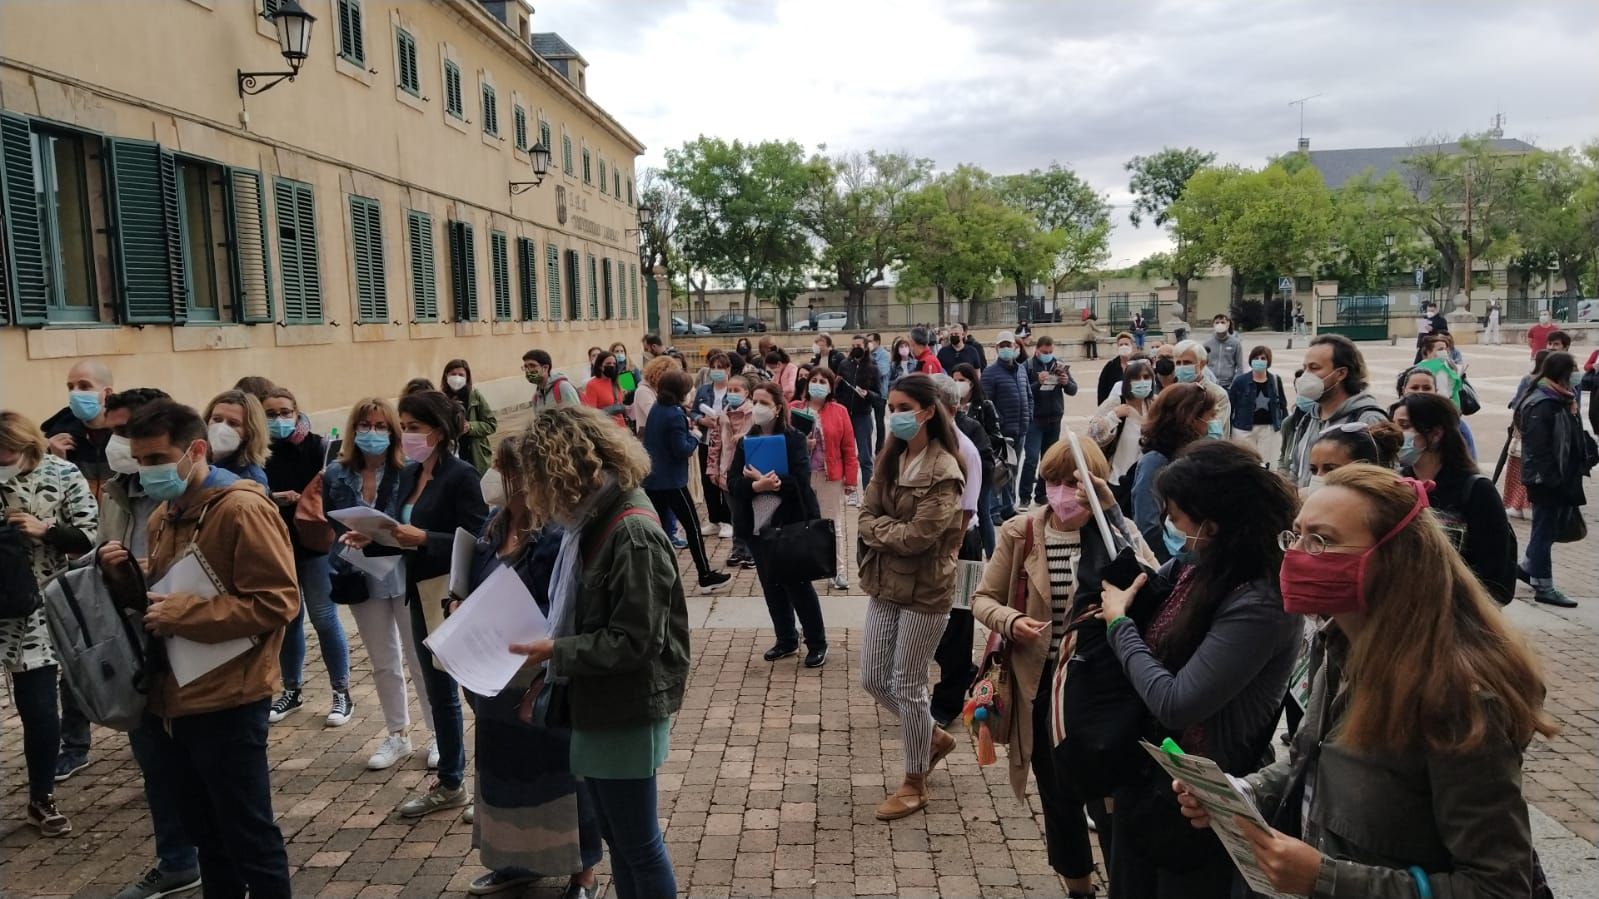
(631, 511)
(1019, 598)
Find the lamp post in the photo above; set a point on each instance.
(294, 42)
(540, 157)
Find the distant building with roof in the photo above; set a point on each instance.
(1337, 167)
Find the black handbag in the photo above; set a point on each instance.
(19, 591)
(803, 551)
(1571, 528)
(1469, 404)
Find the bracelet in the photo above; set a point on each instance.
(1118, 620)
(1423, 885)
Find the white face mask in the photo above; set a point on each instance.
(764, 415)
(963, 388)
(456, 382)
(223, 439)
(1221, 329)
(1309, 386)
(493, 487)
(1316, 483)
(119, 455)
(8, 473)
(1124, 351)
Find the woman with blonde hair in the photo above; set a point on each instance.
(236, 429)
(618, 651)
(1405, 777)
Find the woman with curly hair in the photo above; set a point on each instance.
(1180, 415)
(618, 650)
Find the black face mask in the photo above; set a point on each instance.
(954, 340)
(1165, 367)
(609, 371)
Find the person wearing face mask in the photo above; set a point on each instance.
(48, 508)
(1333, 390)
(859, 391)
(1113, 372)
(236, 432)
(825, 355)
(210, 734)
(365, 475)
(1555, 456)
(473, 446)
(954, 652)
(833, 463)
(436, 494)
(1224, 351)
(733, 423)
(1402, 745)
(1005, 383)
(624, 362)
(1140, 328)
(1180, 415)
(1538, 335)
(904, 361)
(922, 341)
(79, 433)
(1049, 382)
(1352, 442)
(551, 388)
(960, 348)
(711, 395)
(602, 392)
(884, 360)
(1432, 325)
(1212, 663)
(1259, 405)
(1465, 501)
(1191, 366)
(670, 443)
(979, 421)
(911, 527)
(1117, 426)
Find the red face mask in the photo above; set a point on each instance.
(1335, 583)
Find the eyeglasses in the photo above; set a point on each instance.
(1313, 544)
(286, 414)
(364, 428)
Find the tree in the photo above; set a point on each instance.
(959, 236)
(1157, 182)
(1062, 202)
(1557, 213)
(1448, 187)
(1367, 213)
(858, 209)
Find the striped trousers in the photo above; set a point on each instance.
(899, 645)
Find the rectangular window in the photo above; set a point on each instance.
(371, 288)
(463, 271)
(630, 190)
(552, 279)
(632, 288)
(352, 46)
(527, 283)
(574, 291)
(588, 173)
(491, 111)
(452, 90)
(424, 278)
(202, 220)
(269, 8)
(252, 268)
(62, 169)
(566, 153)
(616, 185)
(410, 80)
(544, 135)
(500, 268)
(594, 288)
(610, 306)
(302, 274)
(603, 189)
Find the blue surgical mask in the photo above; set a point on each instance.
(1258, 365)
(1177, 543)
(1213, 430)
(1187, 373)
(904, 425)
(1409, 453)
(85, 404)
(1304, 403)
(1046, 358)
(819, 391)
(734, 400)
(1575, 381)
(1007, 354)
(280, 428)
(1142, 389)
(718, 376)
(162, 482)
(621, 359)
(373, 443)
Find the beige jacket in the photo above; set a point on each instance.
(910, 531)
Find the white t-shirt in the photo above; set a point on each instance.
(974, 476)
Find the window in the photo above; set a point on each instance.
(410, 80)
(605, 270)
(351, 44)
(519, 117)
(588, 174)
(500, 268)
(616, 185)
(491, 111)
(452, 90)
(574, 292)
(269, 8)
(302, 275)
(630, 190)
(632, 287)
(60, 187)
(424, 280)
(527, 278)
(602, 177)
(202, 220)
(463, 271)
(566, 153)
(552, 279)
(544, 135)
(594, 288)
(366, 233)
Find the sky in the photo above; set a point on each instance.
(1012, 85)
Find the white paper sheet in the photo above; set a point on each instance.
(968, 577)
(369, 523)
(377, 566)
(461, 552)
(189, 659)
(473, 644)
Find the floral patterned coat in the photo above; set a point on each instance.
(54, 492)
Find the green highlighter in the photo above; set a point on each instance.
(1170, 746)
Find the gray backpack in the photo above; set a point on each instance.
(100, 638)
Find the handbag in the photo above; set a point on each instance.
(802, 551)
(1469, 404)
(1571, 528)
(310, 522)
(348, 588)
(989, 701)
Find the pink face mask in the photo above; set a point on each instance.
(1335, 583)
(415, 447)
(1063, 501)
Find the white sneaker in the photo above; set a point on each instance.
(841, 583)
(853, 500)
(433, 754)
(725, 532)
(393, 748)
(708, 529)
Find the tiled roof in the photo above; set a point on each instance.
(1338, 166)
(552, 46)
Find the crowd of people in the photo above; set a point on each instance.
(1258, 521)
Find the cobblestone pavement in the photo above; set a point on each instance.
(774, 770)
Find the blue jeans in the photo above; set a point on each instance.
(639, 863)
(173, 848)
(34, 694)
(1539, 565)
(1040, 437)
(445, 696)
(985, 519)
(313, 574)
(863, 444)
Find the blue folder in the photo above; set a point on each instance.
(767, 454)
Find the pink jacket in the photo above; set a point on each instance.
(838, 442)
(733, 424)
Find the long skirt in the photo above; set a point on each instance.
(1515, 492)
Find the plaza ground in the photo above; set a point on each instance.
(775, 770)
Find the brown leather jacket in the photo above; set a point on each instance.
(910, 530)
(243, 538)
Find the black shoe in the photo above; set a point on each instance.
(1523, 576)
(779, 651)
(68, 765)
(747, 563)
(816, 658)
(712, 580)
(290, 701)
(1549, 596)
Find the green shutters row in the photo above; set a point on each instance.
(366, 232)
(552, 279)
(500, 268)
(527, 278)
(463, 271)
(352, 45)
(452, 90)
(424, 280)
(410, 79)
(297, 252)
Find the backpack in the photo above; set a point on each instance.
(19, 592)
(107, 659)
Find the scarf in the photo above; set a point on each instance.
(302, 427)
(568, 575)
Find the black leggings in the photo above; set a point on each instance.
(677, 500)
(1065, 831)
(34, 692)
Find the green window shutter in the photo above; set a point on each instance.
(5, 273)
(632, 288)
(491, 111)
(527, 278)
(247, 239)
(144, 229)
(594, 288)
(408, 71)
(616, 185)
(500, 268)
(588, 171)
(544, 134)
(269, 8)
(352, 45)
(610, 308)
(452, 89)
(630, 190)
(371, 288)
(302, 275)
(552, 279)
(463, 271)
(566, 153)
(521, 128)
(26, 288)
(574, 287)
(424, 280)
(603, 189)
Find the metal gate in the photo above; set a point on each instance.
(1356, 317)
(1123, 305)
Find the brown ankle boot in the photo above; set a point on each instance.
(910, 798)
(943, 745)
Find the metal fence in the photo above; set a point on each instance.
(1355, 317)
(1526, 309)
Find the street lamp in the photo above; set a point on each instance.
(1388, 241)
(646, 217)
(294, 42)
(540, 156)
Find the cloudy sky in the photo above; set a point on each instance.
(1011, 85)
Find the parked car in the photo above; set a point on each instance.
(1588, 310)
(825, 321)
(681, 327)
(736, 323)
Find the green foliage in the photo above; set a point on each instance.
(1261, 224)
(1158, 181)
(1442, 185)
(858, 209)
(1062, 202)
(1557, 212)
(1367, 213)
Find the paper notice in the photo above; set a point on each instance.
(369, 523)
(461, 552)
(968, 577)
(189, 659)
(377, 566)
(473, 644)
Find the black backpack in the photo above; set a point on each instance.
(19, 592)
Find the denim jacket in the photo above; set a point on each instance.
(341, 489)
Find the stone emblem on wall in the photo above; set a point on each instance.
(560, 204)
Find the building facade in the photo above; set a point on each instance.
(338, 234)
